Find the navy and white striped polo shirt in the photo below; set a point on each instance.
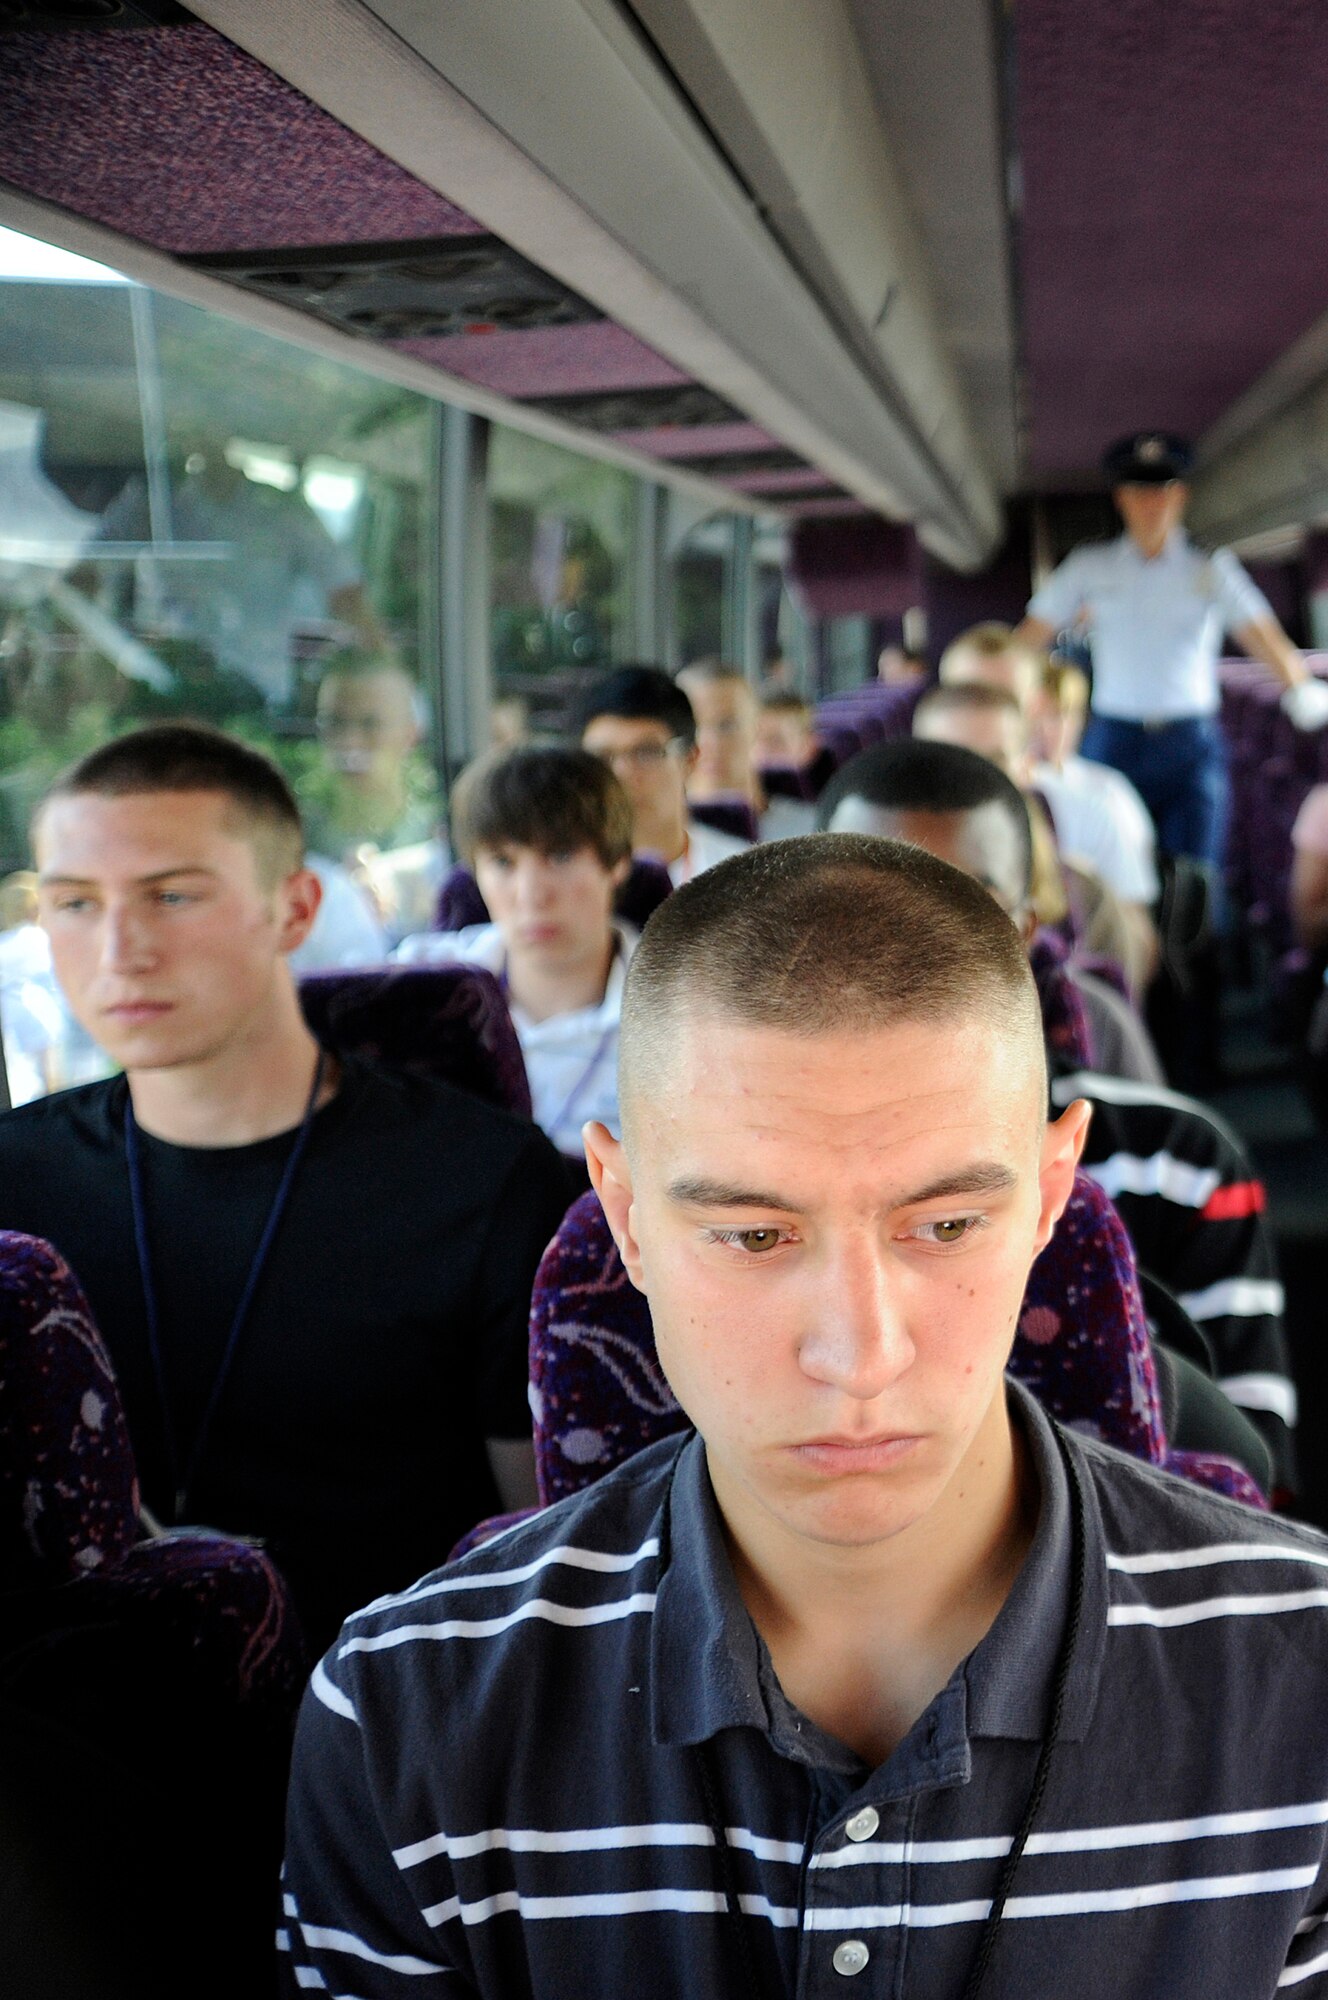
(499, 1786)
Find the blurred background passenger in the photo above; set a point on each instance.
(1069, 889)
(902, 666)
(992, 654)
(548, 834)
(787, 743)
(378, 786)
(509, 722)
(725, 706)
(1096, 810)
(45, 1049)
(641, 724)
(276, 569)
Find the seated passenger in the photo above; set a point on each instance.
(786, 740)
(991, 655)
(902, 666)
(548, 834)
(1180, 1177)
(724, 705)
(1309, 873)
(374, 804)
(642, 726)
(876, 1670)
(1067, 895)
(1096, 810)
(313, 1276)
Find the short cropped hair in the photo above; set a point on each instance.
(549, 799)
(954, 696)
(783, 701)
(990, 641)
(191, 757)
(915, 776)
(711, 671)
(1065, 684)
(822, 934)
(637, 694)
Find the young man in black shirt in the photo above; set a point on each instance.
(313, 1276)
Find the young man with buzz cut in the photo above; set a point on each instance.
(877, 1676)
(313, 1276)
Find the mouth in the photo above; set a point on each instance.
(134, 1013)
(539, 933)
(838, 1455)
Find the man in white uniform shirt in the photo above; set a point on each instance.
(1096, 810)
(1156, 609)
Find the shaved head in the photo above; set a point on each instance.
(831, 934)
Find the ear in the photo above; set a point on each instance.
(620, 871)
(299, 898)
(1062, 1144)
(689, 757)
(1026, 923)
(611, 1178)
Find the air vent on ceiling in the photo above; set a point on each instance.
(408, 291)
(729, 463)
(781, 496)
(46, 16)
(688, 404)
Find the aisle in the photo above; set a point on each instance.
(1265, 1103)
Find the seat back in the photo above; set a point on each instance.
(68, 1488)
(733, 816)
(1082, 1347)
(1064, 1020)
(444, 1021)
(69, 1506)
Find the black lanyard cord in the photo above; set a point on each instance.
(182, 1477)
(1060, 1687)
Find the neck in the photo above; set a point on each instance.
(1150, 546)
(541, 990)
(665, 836)
(255, 1087)
(864, 1638)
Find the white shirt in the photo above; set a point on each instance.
(706, 846)
(571, 1059)
(346, 930)
(1156, 626)
(1100, 818)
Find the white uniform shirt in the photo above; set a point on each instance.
(706, 845)
(571, 1059)
(1156, 626)
(1100, 818)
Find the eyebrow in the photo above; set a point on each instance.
(694, 1191)
(141, 881)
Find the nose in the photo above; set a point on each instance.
(859, 1341)
(534, 884)
(126, 944)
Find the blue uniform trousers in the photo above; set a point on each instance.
(1180, 771)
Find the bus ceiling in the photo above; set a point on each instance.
(903, 257)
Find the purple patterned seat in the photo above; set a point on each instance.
(1064, 1021)
(1082, 1348)
(69, 1497)
(460, 903)
(733, 816)
(447, 1021)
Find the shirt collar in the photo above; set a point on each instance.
(706, 1656)
(1172, 550)
(604, 1014)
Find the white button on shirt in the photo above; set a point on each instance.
(851, 1957)
(1156, 625)
(863, 1824)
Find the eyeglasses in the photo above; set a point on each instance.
(643, 756)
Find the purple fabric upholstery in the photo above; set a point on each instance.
(733, 816)
(460, 903)
(69, 1497)
(1082, 1348)
(68, 1489)
(648, 883)
(447, 1021)
(1273, 765)
(1064, 1020)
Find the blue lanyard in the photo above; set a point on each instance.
(583, 1081)
(182, 1480)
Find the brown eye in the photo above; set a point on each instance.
(953, 1230)
(757, 1239)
